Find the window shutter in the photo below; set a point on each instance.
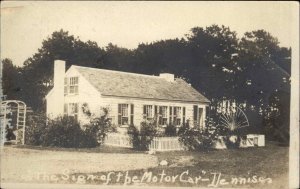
(160, 116)
(155, 110)
(144, 112)
(207, 112)
(66, 109)
(77, 84)
(119, 114)
(183, 115)
(66, 86)
(76, 108)
(195, 114)
(170, 118)
(131, 113)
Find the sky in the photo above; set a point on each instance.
(24, 25)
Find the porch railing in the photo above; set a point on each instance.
(173, 144)
(157, 144)
(165, 144)
(117, 139)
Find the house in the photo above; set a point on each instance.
(129, 97)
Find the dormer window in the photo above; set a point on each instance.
(71, 85)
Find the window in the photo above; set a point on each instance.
(163, 115)
(71, 85)
(71, 109)
(123, 114)
(148, 114)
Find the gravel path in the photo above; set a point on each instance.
(17, 162)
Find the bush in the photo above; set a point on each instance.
(9, 133)
(142, 139)
(170, 130)
(133, 132)
(66, 132)
(196, 139)
(60, 132)
(35, 130)
(147, 133)
(100, 125)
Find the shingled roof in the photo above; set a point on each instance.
(124, 84)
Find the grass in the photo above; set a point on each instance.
(101, 149)
(266, 162)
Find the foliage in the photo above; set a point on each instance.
(35, 131)
(11, 80)
(133, 132)
(60, 132)
(170, 130)
(100, 125)
(66, 132)
(197, 139)
(142, 138)
(147, 133)
(276, 122)
(9, 134)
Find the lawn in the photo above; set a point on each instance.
(249, 167)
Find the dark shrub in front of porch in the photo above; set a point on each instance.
(142, 139)
(60, 132)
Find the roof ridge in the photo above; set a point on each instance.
(122, 72)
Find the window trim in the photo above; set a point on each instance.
(68, 111)
(71, 82)
(121, 116)
(148, 109)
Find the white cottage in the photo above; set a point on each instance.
(130, 97)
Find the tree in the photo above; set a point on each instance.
(11, 80)
(261, 75)
(38, 69)
(213, 69)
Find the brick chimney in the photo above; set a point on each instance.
(59, 75)
(167, 76)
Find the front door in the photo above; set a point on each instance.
(198, 117)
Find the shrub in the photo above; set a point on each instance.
(170, 130)
(9, 133)
(133, 132)
(66, 132)
(35, 130)
(100, 125)
(142, 139)
(60, 132)
(196, 139)
(147, 132)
